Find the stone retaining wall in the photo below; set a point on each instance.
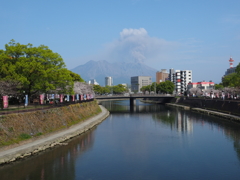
(22, 126)
(225, 106)
(37, 144)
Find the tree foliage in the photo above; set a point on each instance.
(118, 89)
(100, 90)
(37, 69)
(166, 87)
(233, 79)
(163, 87)
(147, 88)
(218, 86)
(76, 77)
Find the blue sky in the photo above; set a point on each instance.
(181, 34)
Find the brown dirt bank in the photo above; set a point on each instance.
(15, 128)
(34, 145)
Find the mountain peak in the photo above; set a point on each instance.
(120, 71)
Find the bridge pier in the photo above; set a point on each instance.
(132, 104)
(132, 101)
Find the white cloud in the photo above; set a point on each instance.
(135, 45)
(133, 32)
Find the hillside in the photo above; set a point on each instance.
(121, 72)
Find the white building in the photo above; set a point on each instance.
(108, 81)
(137, 82)
(201, 85)
(180, 78)
(93, 81)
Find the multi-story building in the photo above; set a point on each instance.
(171, 76)
(201, 85)
(137, 82)
(93, 81)
(161, 76)
(108, 81)
(180, 78)
(230, 71)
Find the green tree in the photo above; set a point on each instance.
(105, 90)
(76, 77)
(38, 69)
(238, 69)
(146, 88)
(101, 90)
(231, 80)
(153, 86)
(118, 89)
(97, 89)
(218, 86)
(166, 87)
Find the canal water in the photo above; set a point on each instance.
(152, 142)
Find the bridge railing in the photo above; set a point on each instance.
(132, 95)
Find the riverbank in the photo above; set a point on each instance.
(178, 105)
(206, 111)
(223, 106)
(43, 142)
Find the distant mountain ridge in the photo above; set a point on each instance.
(121, 72)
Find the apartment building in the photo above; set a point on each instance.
(180, 78)
(161, 76)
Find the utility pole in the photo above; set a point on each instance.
(155, 88)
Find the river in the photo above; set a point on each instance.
(152, 142)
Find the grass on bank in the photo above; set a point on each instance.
(25, 136)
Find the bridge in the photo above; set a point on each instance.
(132, 97)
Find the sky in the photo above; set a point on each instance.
(197, 35)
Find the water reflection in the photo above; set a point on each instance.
(181, 120)
(176, 119)
(229, 129)
(173, 117)
(57, 163)
(124, 106)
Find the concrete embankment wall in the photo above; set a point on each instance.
(224, 106)
(226, 109)
(55, 125)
